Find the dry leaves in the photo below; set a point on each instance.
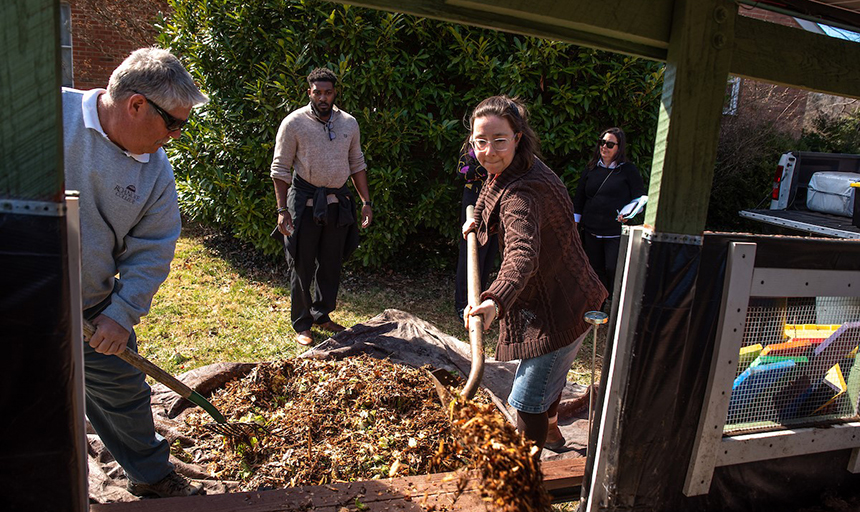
(360, 419)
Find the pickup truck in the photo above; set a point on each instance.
(788, 211)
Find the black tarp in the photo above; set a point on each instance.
(668, 375)
(39, 464)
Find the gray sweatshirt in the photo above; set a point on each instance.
(129, 213)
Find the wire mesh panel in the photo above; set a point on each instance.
(798, 364)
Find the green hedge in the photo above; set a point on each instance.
(409, 82)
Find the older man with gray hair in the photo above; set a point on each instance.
(129, 226)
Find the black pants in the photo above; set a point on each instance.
(319, 258)
(486, 256)
(603, 256)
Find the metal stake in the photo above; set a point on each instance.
(595, 318)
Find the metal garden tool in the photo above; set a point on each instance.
(146, 366)
(441, 378)
(596, 319)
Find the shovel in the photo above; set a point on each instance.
(476, 337)
(148, 367)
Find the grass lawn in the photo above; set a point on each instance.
(224, 302)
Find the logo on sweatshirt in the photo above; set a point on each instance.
(127, 194)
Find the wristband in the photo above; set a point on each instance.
(496, 307)
(282, 209)
(367, 203)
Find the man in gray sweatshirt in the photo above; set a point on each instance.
(129, 226)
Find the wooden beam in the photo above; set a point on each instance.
(30, 120)
(645, 23)
(640, 30)
(795, 58)
(409, 493)
(694, 87)
(762, 50)
(416, 493)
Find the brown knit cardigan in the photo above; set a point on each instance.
(545, 284)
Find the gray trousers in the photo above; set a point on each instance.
(118, 408)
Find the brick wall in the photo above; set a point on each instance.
(106, 32)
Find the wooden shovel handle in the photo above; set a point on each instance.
(146, 366)
(476, 335)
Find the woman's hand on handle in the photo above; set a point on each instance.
(485, 310)
(468, 226)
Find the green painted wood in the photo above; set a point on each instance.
(795, 58)
(762, 50)
(637, 29)
(646, 23)
(30, 115)
(694, 87)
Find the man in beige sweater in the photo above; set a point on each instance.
(317, 148)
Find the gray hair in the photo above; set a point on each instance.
(158, 75)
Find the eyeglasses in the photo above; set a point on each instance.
(500, 144)
(330, 129)
(608, 143)
(171, 123)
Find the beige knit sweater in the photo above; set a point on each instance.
(303, 145)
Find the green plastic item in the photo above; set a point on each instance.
(798, 360)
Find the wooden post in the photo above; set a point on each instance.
(42, 383)
(30, 118)
(694, 87)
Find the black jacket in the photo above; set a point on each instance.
(602, 192)
(297, 199)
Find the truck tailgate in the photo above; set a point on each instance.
(805, 221)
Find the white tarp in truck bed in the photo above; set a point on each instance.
(831, 192)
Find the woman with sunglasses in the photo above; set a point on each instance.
(544, 285)
(610, 182)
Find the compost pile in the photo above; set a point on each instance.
(328, 421)
(361, 418)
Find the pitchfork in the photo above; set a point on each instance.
(238, 430)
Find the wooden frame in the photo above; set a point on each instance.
(605, 460)
(73, 225)
(712, 449)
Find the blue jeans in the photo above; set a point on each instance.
(117, 399)
(540, 380)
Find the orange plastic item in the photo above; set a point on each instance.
(795, 347)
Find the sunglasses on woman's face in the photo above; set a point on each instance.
(608, 143)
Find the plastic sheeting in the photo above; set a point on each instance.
(668, 376)
(39, 463)
(831, 192)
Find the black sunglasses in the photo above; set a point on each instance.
(172, 123)
(608, 143)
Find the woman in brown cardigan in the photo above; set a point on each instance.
(545, 284)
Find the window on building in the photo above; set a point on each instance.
(733, 91)
(66, 44)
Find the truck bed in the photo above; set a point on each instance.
(805, 221)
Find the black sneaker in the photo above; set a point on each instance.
(171, 486)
